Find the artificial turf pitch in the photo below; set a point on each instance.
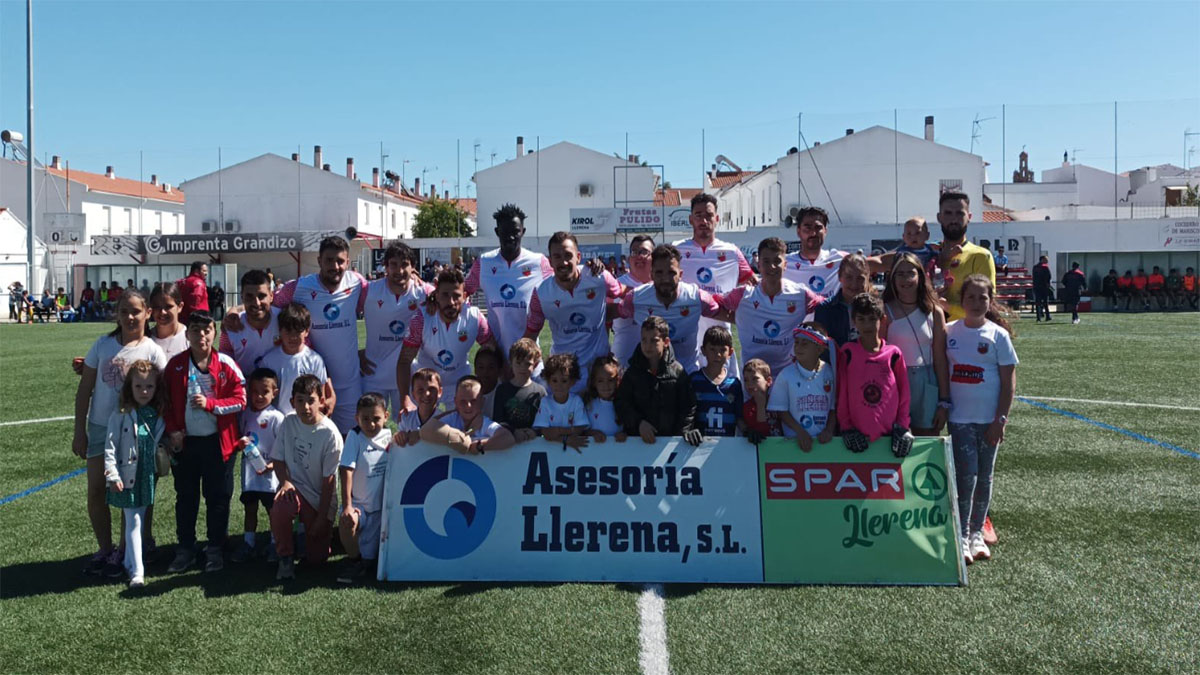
(1097, 569)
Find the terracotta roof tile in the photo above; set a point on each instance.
(675, 196)
(727, 178)
(98, 182)
(468, 204)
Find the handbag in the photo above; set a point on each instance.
(162, 461)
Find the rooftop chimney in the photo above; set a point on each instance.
(325, 167)
(316, 156)
(447, 195)
(520, 146)
(375, 177)
(109, 173)
(816, 143)
(295, 157)
(349, 167)
(54, 164)
(929, 128)
(417, 187)
(154, 179)
(849, 132)
(166, 187)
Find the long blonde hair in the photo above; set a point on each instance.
(146, 369)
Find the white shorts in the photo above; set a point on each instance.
(369, 525)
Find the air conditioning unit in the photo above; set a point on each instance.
(233, 226)
(208, 226)
(586, 190)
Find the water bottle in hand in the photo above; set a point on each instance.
(252, 454)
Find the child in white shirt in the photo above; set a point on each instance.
(260, 423)
(562, 416)
(362, 472)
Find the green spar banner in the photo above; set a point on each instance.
(831, 516)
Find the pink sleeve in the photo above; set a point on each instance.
(547, 270)
(744, 272)
(611, 285)
(537, 318)
(226, 345)
(812, 300)
(843, 393)
(416, 328)
(625, 309)
(901, 371)
(732, 299)
(429, 289)
(472, 283)
(283, 297)
(708, 304)
(485, 332)
(362, 294)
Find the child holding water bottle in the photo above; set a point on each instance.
(260, 422)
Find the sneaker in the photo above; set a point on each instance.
(214, 559)
(352, 572)
(978, 549)
(243, 553)
(989, 533)
(114, 567)
(184, 558)
(966, 551)
(1074, 321)
(287, 568)
(95, 564)
(137, 582)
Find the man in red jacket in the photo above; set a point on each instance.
(202, 428)
(194, 290)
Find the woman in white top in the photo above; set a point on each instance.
(917, 326)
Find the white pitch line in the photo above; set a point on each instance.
(652, 631)
(1129, 404)
(44, 419)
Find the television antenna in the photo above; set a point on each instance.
(977, 128)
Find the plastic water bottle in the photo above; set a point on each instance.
(252, 454)
(193, 386)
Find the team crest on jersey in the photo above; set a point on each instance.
(262, 424)
(872, 393)
(412, 305)
(684, 312)
(829, 265)
(954, 263)
(591, 294)
(828, 387)
(462, 336)
(526, 271)
(720, 257)
(791, 308)
(982, 348)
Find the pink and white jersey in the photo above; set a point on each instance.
(683, 317)
(248, 345)
(819, 276)
(576, 316)
(334, 332)
(626, 333)
(765, 323)
(717, 268)
(387, 316)
(446, 347)
(508, 287)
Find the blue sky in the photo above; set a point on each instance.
(177, 80)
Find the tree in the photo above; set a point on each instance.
(1191, 196)
(441, 218)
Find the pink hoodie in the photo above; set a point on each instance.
(872, 389)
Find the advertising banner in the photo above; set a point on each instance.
(1181, 234)
(190, 244)
(629, 219)
(723, 512)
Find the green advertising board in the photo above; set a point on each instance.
(831, 516)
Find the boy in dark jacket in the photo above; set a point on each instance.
(655, 397)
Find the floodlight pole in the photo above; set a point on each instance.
(30, 203)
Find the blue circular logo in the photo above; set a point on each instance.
(704, 275)
(806, 421)
(817, 283)
(331, 312)
(397, 327)
(508, 292)
(465, 525)
(445, 357)
(771, 328)
(577, 319)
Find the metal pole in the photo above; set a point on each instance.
(457, 167)
(220, 199)
(703, 160)
(1115, 169)
(896, 159)
(30, 203)
(537, 188)
(141, 193)
(1003, 157)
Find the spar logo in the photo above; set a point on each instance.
(834, 480)
(508, 292)
(396, 327)
(704, 275)
(449, 507)
(445, 358)
(577, 319)
(772, 329)
(817, 283)
(331, 312)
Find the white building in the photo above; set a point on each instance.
(876, 175)
(546, 185)
(14, 257)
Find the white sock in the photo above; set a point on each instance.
(249, 537)
(133, 541)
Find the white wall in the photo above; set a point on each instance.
(754, 202)
(861, 176)
(1025, 196)
(552, 190)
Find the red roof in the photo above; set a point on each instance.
(996, 215)
(401, 197)
(467, 204)
(675, 196)
(98, 182)
(727, 178)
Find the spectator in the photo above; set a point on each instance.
(1001, 261)
(1073, 282)
(655, 397)
(87, 301)
(1108, 288)
(45, 307)
(1174, 290)
(834, 313)
(1156, 286)
(1140, 291)
(1190, 287)
(1041, 288)
(216, 301)
(15, 300)
(1125, 288)
(114, 297)
(62, 304)
(145, 288)
(195, 293)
